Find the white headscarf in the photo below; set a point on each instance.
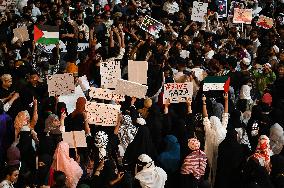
(101, 141)
(150, 176)
(276, 138)
(245, 92)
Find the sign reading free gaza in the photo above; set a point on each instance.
(178, 92)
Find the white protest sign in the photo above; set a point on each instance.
(137, 71)
(81, 47)
(131, 89)
(198, 11)
(102, 114)
(106, 94)
(71, 99)
(110, 71)
(178, 92)
(84, 83)
(60, 84)
(75, 138)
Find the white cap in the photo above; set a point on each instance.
(246, 61)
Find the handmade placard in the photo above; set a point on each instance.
(71, 99)
(60, 84)
(151, 26)
(102, 114)
(75, 139)
(106, 94)
(131, 89)
(242, 16)
(198, 11)
(22, 33)
(110, 71)
(137, 71)
(177, 92)
(264, 22)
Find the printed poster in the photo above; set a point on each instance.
(264, 22)
(102, 114)
(48, 48)
(199, 10)
(151, 26)
(60, 84)
(137, 71)
(177, 92)
(242, 16)
(105, 94)
(222, 8)
(131, 89)
(110, 72)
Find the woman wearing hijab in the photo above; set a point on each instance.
(194, 166)
(76, 120)
(62, 162)
(230, 160)
(277, 171)
(148, 175)
(215, 133)
(276, 138)
(141, 144)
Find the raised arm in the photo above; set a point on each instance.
(35, 114)
(204, 109)
(225, 117)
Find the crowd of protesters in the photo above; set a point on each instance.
(232, 140)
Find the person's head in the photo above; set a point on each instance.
(207, 47)
(80, 19)
(6, 80)
(253, 34)
(143, 162)
(266, 68)
(186, 38)
(197, 43)
(194, 26)
(34, 78)
(59, 178)
(12, 174)
(281, 71)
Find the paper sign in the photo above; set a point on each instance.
(137, 71)
(178, 92)
(151, 26)
(48, 48)
(106, 94)
(73, 138)
(222, 8)
(22, 33)
(242, 16)
(198, 11)
(102, 114)
(110, 71)
(131, 89)
(71, 99)
(60, 84)
(265, 22)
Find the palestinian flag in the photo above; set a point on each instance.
(216, 83)
(46, 34)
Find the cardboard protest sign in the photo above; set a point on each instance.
(177, 92)
(102, 114)
(75, 139)
(106, 94)
(198, 11)
(110, 71)
(137, 71)
(151, 26)
(71, 99)
(131, 89)
(22, 33)
(264, 22)
(60, 84)
(242, 16)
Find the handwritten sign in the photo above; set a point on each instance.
(178, 92)
(198, 11)
(131, 89)
(106, 94)
(102, 114)
(264, 22)
(60, 84)
(151, 26)
(242, 16)
(75, 138)
(137, 71)
(110, 71)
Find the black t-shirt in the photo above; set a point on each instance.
(74, 123)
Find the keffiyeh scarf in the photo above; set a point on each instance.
(101, 141)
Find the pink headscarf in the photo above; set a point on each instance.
(62, 162)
